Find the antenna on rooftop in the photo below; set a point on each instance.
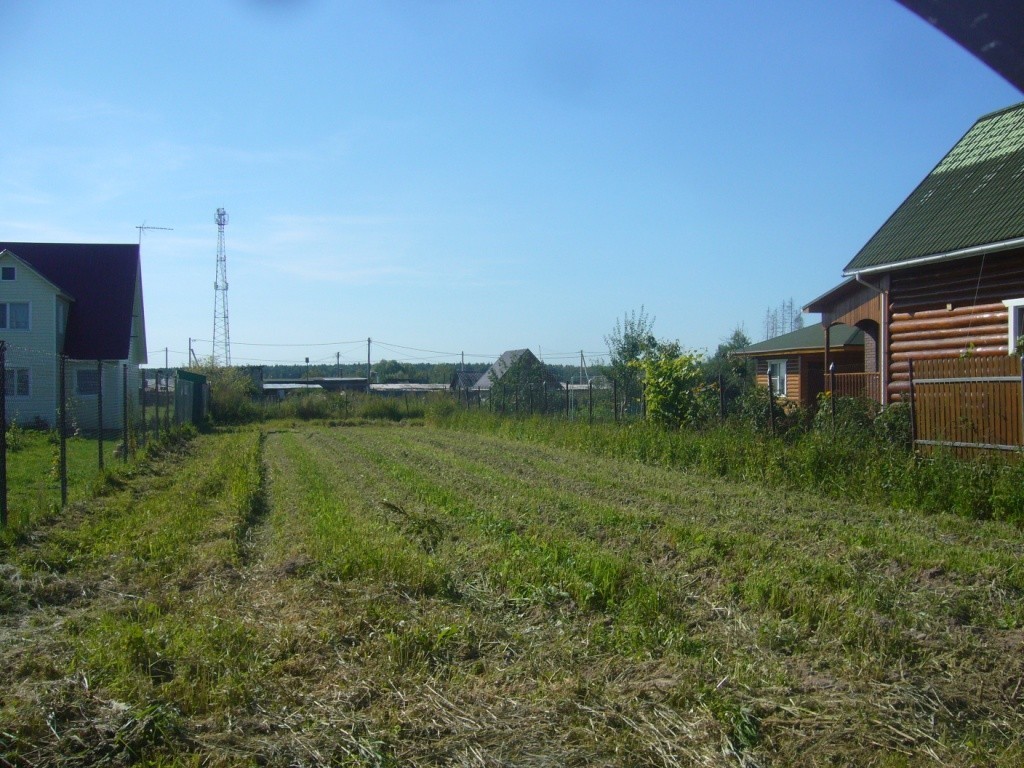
(142, 228)
(221, 332)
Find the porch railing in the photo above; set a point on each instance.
(866, 385)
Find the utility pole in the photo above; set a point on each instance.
(367, 363)
(337, 362)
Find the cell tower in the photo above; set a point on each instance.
(221, 332)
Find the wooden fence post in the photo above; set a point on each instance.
(591, 387)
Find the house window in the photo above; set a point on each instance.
(777, 377)
(87, 382)
(7, 273)
(14, 315)
(18, 382)
(1015, 310)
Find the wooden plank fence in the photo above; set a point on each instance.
(971, 404)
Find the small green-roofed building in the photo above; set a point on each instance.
(795, 363)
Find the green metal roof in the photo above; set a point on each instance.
(974, 197)
(810, 338)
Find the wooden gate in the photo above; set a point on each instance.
(969, 404)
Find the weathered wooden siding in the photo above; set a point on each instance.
(949, 311)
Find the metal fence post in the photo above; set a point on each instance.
(167, 401)
(142, 399)
(590, 387)
(99, 409)
(1021, 425)
(615, 399)
(913, 405)
(832, 392)
(3, 434)
(124, 411)
(721, 398)
(62, 418)
(771, 404)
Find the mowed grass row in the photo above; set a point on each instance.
(115, 630)
(411, 596)
(785, 620)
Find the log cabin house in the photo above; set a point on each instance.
(794, 363)
(944, 275)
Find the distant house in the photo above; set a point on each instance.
(944, 275)
(795, 365)
(82, 301)
(518, 359)
(463, 380)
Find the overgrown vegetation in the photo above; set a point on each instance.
(856, 457)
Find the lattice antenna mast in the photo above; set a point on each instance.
(221, 328)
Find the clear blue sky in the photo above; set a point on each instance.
(473, 176)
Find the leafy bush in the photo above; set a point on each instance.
(231, 395)
(853, 415)
(676, 392)
(892, 426)
(752, 412)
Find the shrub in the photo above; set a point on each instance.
(853, 415)
(676, 392)
(752, 413)
(892, 426)
(231, 395)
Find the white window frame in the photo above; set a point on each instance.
(12, 392)
(13, 273)
(1015, 322)
(5, 316)
(781, 389)
(78, 387)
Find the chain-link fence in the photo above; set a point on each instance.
(109, 405)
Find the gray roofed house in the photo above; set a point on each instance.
(509, 359)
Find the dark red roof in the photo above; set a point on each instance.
(101, 280)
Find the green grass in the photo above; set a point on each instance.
(407, 595)
(33, 474)
(850, 464)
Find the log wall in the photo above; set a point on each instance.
(949, 311)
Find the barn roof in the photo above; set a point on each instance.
(506, 361)
(101, 281)
(972, 201)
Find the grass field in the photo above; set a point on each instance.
(404, 595)
(33, 474)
